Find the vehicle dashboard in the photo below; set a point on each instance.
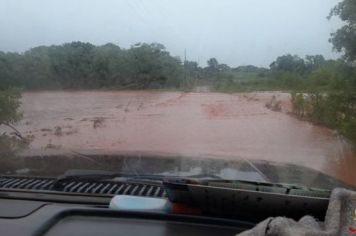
(24, 217)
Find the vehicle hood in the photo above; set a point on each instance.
(56, 162)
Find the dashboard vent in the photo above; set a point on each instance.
(83, 187)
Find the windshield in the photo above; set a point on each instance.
(241, 90)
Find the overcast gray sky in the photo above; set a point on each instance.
(236, 32)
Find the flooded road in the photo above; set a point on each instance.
(234, 126)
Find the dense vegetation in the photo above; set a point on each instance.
(290, 73)
(335, 105)
(9, 115)
(80, 65)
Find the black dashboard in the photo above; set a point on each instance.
(77, 206)
(25, 217)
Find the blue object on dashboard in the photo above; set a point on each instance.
(134, 203)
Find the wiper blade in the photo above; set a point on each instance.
(96, 175)
(80, 174)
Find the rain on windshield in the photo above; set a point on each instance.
(234, 80)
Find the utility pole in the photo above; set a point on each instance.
(184, 64)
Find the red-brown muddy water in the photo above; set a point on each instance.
(226, 125)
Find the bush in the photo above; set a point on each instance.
(9, 115)
(336, 110)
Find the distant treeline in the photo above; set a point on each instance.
(290, 73)
(79, 65)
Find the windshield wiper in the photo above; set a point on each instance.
(96, 175)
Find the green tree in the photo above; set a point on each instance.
(344, 39)
(72, 64)
(9, 115)
(212, 70)
(288, 63)
(314, 62)
(223, 67)
(213, 64)
(150, 65)
(79, 65)
(192, 69)
(9, 105)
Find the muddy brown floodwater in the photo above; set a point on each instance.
(198, 124)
